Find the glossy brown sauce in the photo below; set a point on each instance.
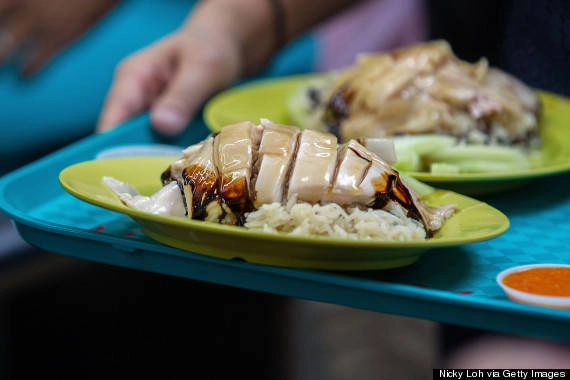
(235, 193)
(203, 183)
(338, 108)
(388, 188)
(166, 176)
(208, 187)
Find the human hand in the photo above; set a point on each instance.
(221, 41)
(40, 28)
(172, 78)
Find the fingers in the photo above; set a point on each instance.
(173, 78)
(175, 107)
(196, 78)
(126, 99)
(138, 81)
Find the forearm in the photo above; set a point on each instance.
(258, 27)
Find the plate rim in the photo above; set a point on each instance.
(321, 241)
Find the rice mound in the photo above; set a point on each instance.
(333, 220)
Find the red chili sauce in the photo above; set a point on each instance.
(546, 281)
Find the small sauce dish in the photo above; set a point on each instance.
(545, 285)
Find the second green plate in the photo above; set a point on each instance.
(268, 99)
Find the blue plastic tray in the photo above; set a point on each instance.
(453, 285)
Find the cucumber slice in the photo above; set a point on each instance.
(440, 154)
(462, 153)
(444, 168)
(422, 144)
(480, 158)
(408, 161)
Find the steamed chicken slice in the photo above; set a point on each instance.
(275, 157)
(313, 167)
(382, 188)
(380, 185)
(384, 148)
(244, 166)
(352, 167)
(233, 147)
(199, 179)
(175, 168)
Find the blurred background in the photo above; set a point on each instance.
(66, 318)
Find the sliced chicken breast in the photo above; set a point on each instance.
(314, 166)
(233, 158)
(351, 169)
(275, 156)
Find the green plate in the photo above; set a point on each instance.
(474, 221)
(268, 99)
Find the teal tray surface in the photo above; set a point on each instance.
(451, 285)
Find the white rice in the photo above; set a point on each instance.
(332, 220)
